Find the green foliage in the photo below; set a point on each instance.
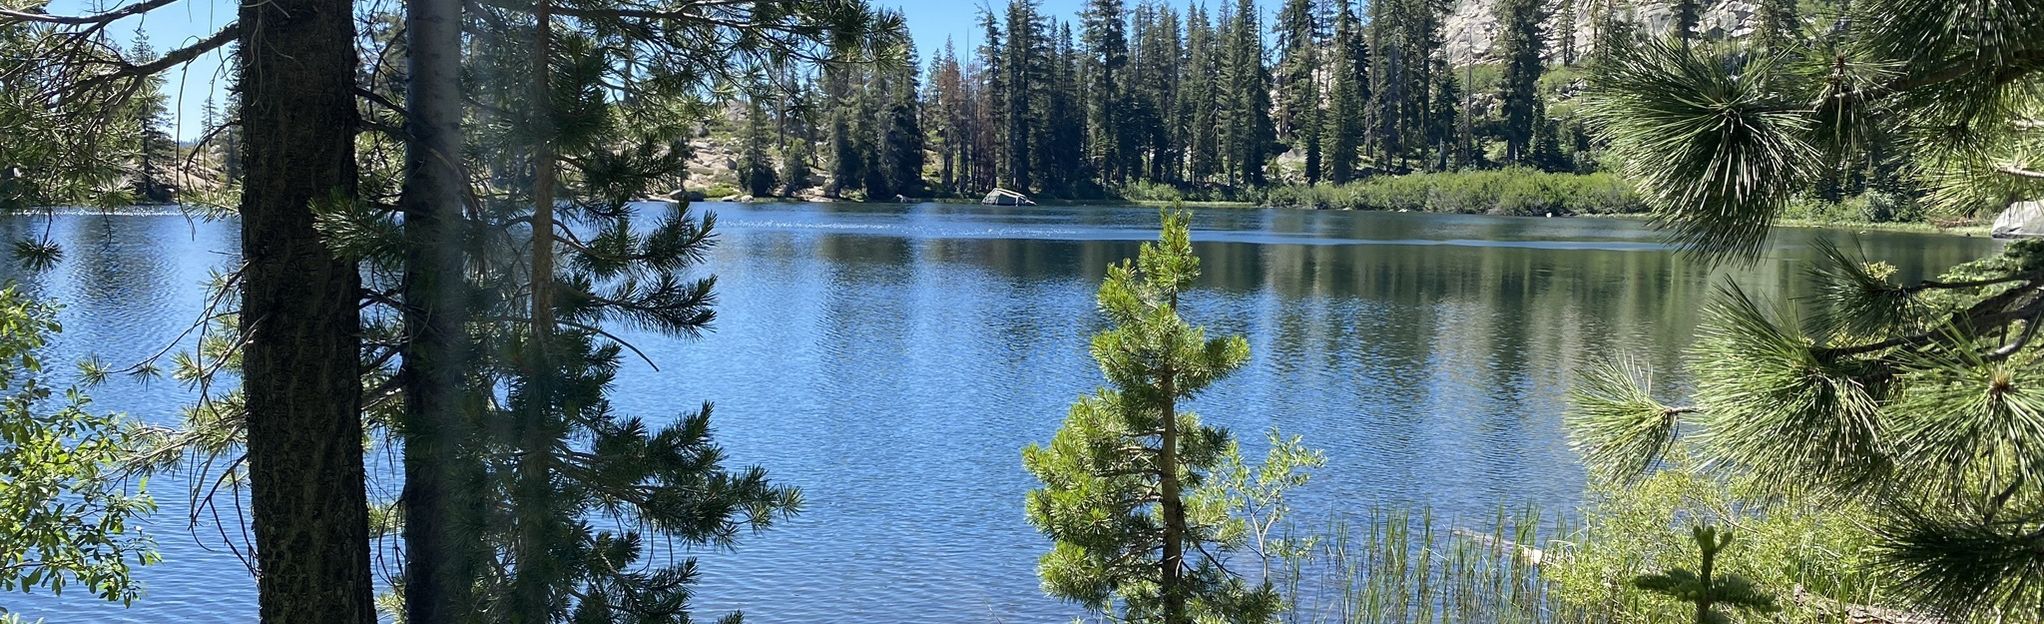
(1127, 539)
(1707, 588)
(1520, 44)
(73, 129)
(1298, 117)
(1918, 400)
(755, 170)
(1400, 565)
(1816, 547)
(1872, 206)
(1715, 143)
(151, 175)
(1246, 131)
(1255, 496)
(1348, 94)
(1937, 95)
(68, 515)
(1777, 404)
(1502, 192)
(1619, 428)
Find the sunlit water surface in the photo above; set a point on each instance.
(893, 361)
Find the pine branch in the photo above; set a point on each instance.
(9, 16)
(1986, 314)
(2020, 172)
(180, 56)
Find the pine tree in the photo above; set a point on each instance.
(586, 491)
(1298, 119)
(1249, 134)
(1349, 95)
(1155, 85)
(1200, 106)
(1386, 97)
(992, 155)
(1612, 32)
(1116, 474)
(1420, 43)
(901, 138)
(798, 135)
(755, 166)
(1443, 123)
(301, 314)
(946, 106)
(795, 170)
(155, 149)
(1062, 146)
(62, 147)
(1519, 44)
(1705, 588)
(869, 119)
(1024, 62)
(1565, 31)
(1546, 145)
(1777, 27)
(1688, 15)
(847, 158)
(1106, 39)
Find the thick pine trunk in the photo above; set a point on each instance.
(309, 507)
(441, 516)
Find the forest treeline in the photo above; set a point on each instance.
(1325, 104)
(1220, 101)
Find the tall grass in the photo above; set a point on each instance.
(1394, 567)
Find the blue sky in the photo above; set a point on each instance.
(929, 21)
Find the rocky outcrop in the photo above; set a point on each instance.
(1472, 25)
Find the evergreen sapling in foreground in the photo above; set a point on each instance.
(1128, 539)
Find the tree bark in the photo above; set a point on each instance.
(1174, 509)
(535, 576)
(301, 376)
(442, 519)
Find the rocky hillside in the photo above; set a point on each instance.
(1472, 24)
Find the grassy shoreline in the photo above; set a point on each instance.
(1978, 229)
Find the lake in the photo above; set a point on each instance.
(893, 360)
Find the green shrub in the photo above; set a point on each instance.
(1886, 207)
(1813, 210)
(720, 191)
(1500, 192)
(1786, 541)
(1145, 190)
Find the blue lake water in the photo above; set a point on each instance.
(893, 360)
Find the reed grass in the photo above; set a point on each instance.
(1394, 566)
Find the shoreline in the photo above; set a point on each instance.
(1973, 230)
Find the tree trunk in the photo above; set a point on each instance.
(535, 575)
(1174, 509)
(441, 517)
(301, 364)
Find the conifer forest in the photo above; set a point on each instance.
(1132, 311)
